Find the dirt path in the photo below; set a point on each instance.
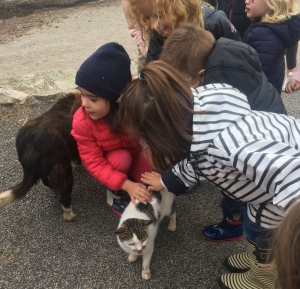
(49, 41)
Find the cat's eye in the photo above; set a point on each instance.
(131, 244)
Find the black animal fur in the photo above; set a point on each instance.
(46, 148)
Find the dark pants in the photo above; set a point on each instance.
(291, 57)
(262, 237)
(232, 203)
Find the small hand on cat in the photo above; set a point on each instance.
(153, 181)
(137, 191)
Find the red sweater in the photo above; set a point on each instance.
(94, 138)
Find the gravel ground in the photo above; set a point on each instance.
(38, 249)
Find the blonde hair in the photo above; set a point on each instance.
(181, 11)
(280, 10)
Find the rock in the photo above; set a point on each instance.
(10, 97)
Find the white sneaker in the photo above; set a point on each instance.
(286, 80)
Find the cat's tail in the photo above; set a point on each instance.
(18, 191)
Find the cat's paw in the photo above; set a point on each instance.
(132, 258)
(172, 227)
(146, 274)
(172, 224)
(68, 214)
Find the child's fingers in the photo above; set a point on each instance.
(147, 196)
(133, 200)
(297, 85)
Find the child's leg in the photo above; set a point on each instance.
(262, 273)
(291, 63)
(291, 58)
(231, 226)
(140, 165)
(120, 160)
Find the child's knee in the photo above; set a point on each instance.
(120, 160)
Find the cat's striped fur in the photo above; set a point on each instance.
(139, 224)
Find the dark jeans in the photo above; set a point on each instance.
(232, 203)
(291, 57)
(260, 236)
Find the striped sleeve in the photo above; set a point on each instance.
(273, 166)
(178, 179)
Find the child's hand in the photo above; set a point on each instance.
(137, 191)
(153, 180)
(292, 86)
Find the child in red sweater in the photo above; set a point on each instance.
(107, 152)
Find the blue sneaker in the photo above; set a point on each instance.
(117, 201)
(230, 229)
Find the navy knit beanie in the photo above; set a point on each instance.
(106, 72)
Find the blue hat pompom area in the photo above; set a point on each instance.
(106, 72)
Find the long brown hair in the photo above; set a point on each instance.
(286, 249)
(157, 108)
(113, 118)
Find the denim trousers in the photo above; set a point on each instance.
(262, 237)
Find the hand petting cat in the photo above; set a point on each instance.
(137, 191)
(153, 181)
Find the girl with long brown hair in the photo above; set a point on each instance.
(210, 133)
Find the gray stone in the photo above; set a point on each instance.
(7, 100)
(43, 86)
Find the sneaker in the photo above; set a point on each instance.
(117, 201)
(286, 80)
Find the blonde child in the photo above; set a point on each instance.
(294, 82)
(276, 26)
(210, 133)
(157, 19)
(107, 152)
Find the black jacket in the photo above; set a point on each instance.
(270, 41)
(237, 64)
(235, 11)
(215, 21)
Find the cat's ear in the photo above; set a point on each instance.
(121, 231)
(146, 223)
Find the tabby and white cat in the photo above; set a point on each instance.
(139, 224)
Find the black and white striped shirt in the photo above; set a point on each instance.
(251, 156)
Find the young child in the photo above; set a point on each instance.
(193, 52)
(107, 152)
(157, 19)
(210, 133)
(294, 82)
(286, 251)
(276, 26)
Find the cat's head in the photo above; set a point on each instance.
(133, 234)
